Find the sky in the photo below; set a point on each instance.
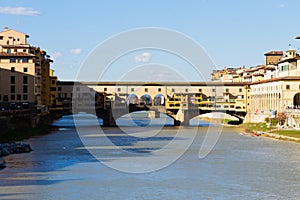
(232, 33)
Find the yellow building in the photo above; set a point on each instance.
(24, 71)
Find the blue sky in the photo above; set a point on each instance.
(234, 33)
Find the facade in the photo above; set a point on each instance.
(289, 64)
(273, 57)
(273, 96)
(24, 71)
(206, 96)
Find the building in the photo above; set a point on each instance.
(273, 57)
(289, 64)
(273, 96)
(24, 71)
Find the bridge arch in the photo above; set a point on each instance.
(146, 100)
(159, 100)
(132, 99)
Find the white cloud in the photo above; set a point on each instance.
(143, 58)
(19, 11)
(281, 5)
(76, 51)
(56, 55)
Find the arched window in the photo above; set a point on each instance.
(146, 100)
(159, 100)
(132, 99)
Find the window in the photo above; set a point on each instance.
(132, 89)
(12, 97)
(25, 60)
(8, 50)
(12, 80)
(25, 69)
(287, 87)
(0, 97)
(19, 97)
(24, 50)
(146, 89)
(12, 89)
(59, 89)
(25, 88)
(15, 50)
(105, 89)
(25, 79)
(12, 69)
(173, 90)
(240, 90)
(200, 90)
(12, 60)
(159, 90)
(186, 90)
(1, 37)
(119, 89)
(242, 96)
(213, 90)
(25, 97)
(77, 88)
(227, 90)
(52, 82)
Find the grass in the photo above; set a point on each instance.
(19, 134)
(253, 127)
(290, 133)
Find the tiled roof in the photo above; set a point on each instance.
(289, 78)
(274, 53)
(18, 54)
(16, 46)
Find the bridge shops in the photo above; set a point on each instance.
(181, 101)
(207, 96)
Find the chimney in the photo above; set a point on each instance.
(6, 28)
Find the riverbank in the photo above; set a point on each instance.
(262, 129)
(21, 133)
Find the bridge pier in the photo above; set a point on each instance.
(177, 122)
(108, 119)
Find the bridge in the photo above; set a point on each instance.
(180, 101)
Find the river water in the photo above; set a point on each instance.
(238, 167)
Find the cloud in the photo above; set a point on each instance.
(76, 51)
(143, 58)
(281, 5)
(19, 11)
(56, 55)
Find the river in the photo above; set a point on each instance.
(238, 167)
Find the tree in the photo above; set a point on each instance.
(281, 117)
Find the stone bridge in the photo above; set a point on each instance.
(181, 116)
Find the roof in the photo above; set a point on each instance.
(274, 53)
(6, 30)
(141, 83)
(286, 78)
(270, 67)
(289, 59)
(16, 46)
(18, 54)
